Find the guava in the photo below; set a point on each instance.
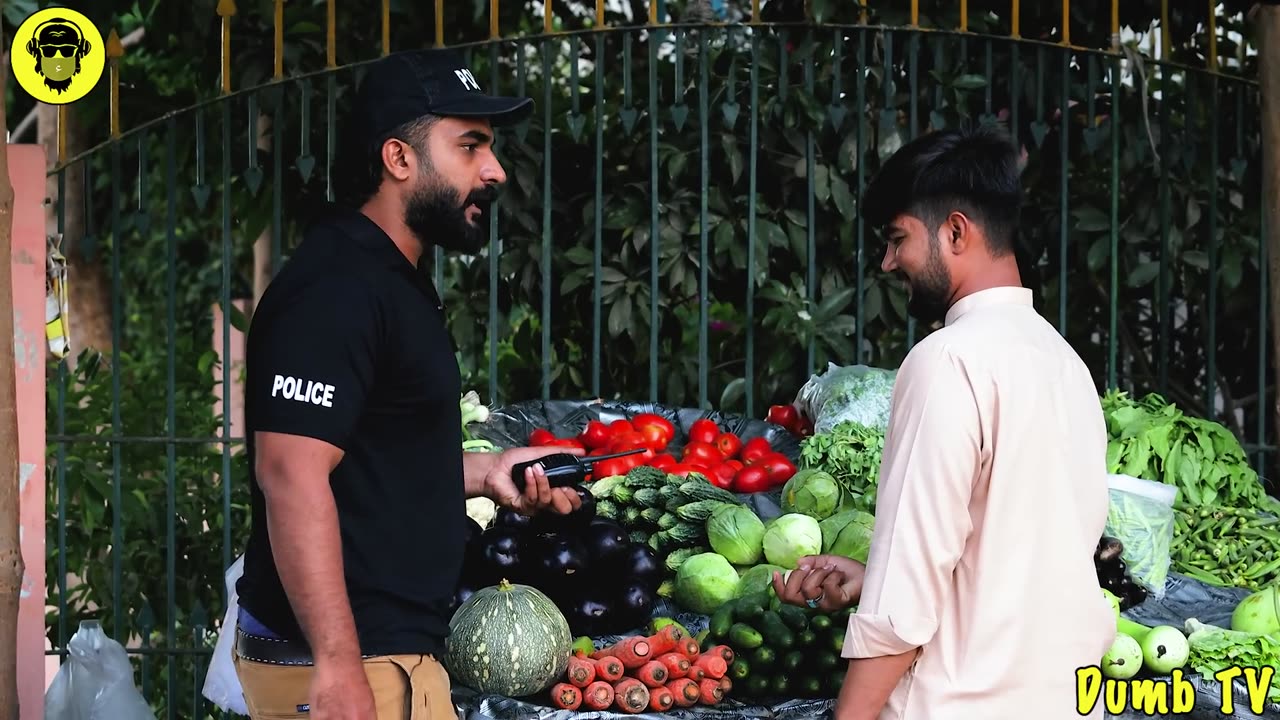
(1115, 601)
(1165, 649)
(1124, 659)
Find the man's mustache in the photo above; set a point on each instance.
(481, 198)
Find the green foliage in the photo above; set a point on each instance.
(796, 248)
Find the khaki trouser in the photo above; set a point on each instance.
(405, 687)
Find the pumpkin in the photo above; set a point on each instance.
(508, 639)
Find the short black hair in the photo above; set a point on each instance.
(974, 170)
(358, 167)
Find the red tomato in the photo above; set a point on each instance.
(608, 468)
(702, 453)
(660, 426)
(752, 479)
(681, 470)
(729, 444)
(565, 442)
(722, 476)
(540, 437)
(654, 437)
(620, 426)
(595, 435)
(778, 467)
(704, 431)
(735, 464)
(663, 461)
(755, 449)
(784, 415)
(624, 441)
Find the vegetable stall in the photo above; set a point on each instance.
(655, 598)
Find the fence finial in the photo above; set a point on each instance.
(331, 34)
(494, 30)
(1066, 22)
(599, 14)
(226, 9)
(1015, 19)
(279, 39)
(386, 27)
(439, 23)
(548, 18)
(1213, 35)
(115, 51)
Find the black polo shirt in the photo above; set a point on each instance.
(349, 345)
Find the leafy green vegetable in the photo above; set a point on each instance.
(1151, 438)
(848, 534)
(737, 533)
(812, 492)
(850, 453)
(1214, 649)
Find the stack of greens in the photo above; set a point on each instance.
(1152, 439)
(1214, 649)
(850, 454)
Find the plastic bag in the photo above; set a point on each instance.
(857, 393)
(1141, 517)
(221, 683)
(95, 682)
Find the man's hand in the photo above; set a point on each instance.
(830, 581)
(340, 691)
(538, 494)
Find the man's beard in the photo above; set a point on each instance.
(930, 290)
(435, 216)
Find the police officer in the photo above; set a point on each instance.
(354, 433)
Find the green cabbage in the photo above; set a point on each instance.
(704, 582)
(758, 579)
(812, 492)
(737, 533)
(848, 534)
(791, 537)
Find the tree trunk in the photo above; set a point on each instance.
(1268, 24)
(11, 567)
(88, 283)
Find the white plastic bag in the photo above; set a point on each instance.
(1141, 517)
(95, 682)
(221, 683)
(855, 393)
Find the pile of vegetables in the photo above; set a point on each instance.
(602, 581)
(656, 672)
(850, 453)
(665, 512)
(1152, 439)
(781, 651)
(1214, 649)
(1227, 546)
(1137, 648)
(721, 457)
(1113, 574)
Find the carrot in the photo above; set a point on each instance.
(723, 651)
(652, 673)
(661, 699)
(566, 696)
(630, 695)
(633, 651)
(696, 673)
(581, 672)
(609, 668)
(726, 684)
(709, 692)
(665, 640)
(689, 647)
(685, 691)
(598, 695)
(713, 665)
(677, 665)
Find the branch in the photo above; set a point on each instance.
(29, 120)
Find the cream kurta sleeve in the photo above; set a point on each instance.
(931, 460)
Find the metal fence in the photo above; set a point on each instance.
(682, 224)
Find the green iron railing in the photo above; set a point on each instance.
(681, 225)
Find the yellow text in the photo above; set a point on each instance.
(1149, 697)
(1257, 681)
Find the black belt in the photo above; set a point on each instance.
(274, 651)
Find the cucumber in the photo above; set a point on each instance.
(794, 617)
(763, 658)
(820, 622)
(750, 607)
(776, 634)
(743, 636)
(607, 509)
(686, 534)
(740, 670)
(826, 661)
(631, 516)
(835, 681)
(781, 686)
(837, 639)
(623, 495)
(806, 639)
(757, 686)
(721, 621)
(810, 687)
(793, 661)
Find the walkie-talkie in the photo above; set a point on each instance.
(563, 469)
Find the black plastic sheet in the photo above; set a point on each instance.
(509, 426)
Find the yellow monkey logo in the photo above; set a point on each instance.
(64, 53)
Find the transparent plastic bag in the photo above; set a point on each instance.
(95, 682)
(857, 393)
(221, 683)
(1141, 517)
